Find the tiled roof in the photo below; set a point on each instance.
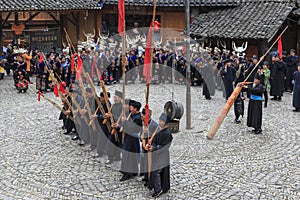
(296, 12)
(258, 19)
(24, 5)
(180, 3)
(20, 5)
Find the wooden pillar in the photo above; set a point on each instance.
(298, 37)
(1, 34)
(17, 23)
(77, 28)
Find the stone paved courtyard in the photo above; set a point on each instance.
(37, 161)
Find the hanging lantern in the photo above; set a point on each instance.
(18, 28)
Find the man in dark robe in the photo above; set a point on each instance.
(77, 104)
(68, 122)
(207, 72)
(255, 93)
(148, 131)
(291, 64)
(278, 75)
(296, 90)
(160, 175)
(113, 147)
(102, 133)
(251, 68)
(131, 147)
(228, 74)
(84, 132)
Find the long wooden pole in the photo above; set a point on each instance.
(213, 130)
(149, 82)
(124, 63)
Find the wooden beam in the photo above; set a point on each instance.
(77, 28)
(52, 16)
(5, 21)
(74, 17)
(31, 17)
(70, 20)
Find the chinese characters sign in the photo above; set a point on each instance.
(45, 40)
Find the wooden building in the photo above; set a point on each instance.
(257, 22)
(42, 23)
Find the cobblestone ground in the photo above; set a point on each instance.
(38, 162)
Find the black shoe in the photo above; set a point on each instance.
(279, 99)
(258, 131)
(76, 137)
(274, 98)
(66, 133)
(265, 105)
(254, 130)
(165, 191)
(125, 177)
(296, 110)
(81, 143)
(237, 121)
(157, 194)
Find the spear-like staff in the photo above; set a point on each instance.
(213, 130)
(112, 121)
(147, 73)
(55, 104)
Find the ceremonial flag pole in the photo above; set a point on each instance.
(147, 73)
(121, 30)
(213, 130)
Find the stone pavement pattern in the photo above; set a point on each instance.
(38, 162)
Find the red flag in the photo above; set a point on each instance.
(41, 58)
(62, 86)
(39, 95)
(149, 49)
(79, 67)
(147, 60)
(55, 91)
(121, 25)
(280, 47)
